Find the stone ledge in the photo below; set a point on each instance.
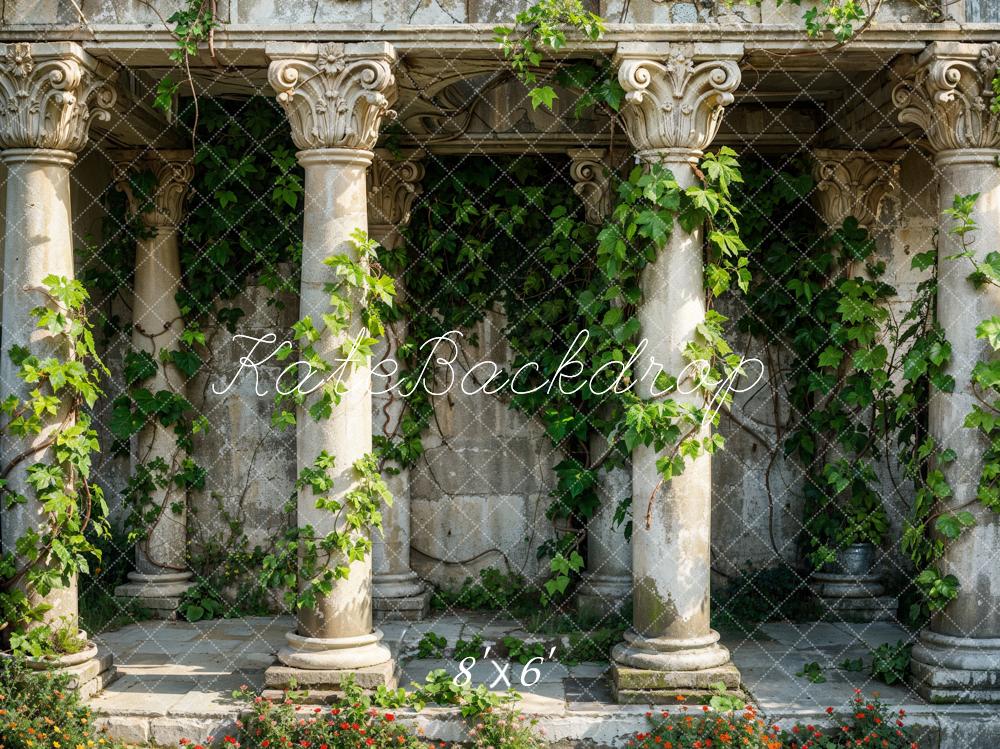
(326, 683)
(641, 686)
(409, 609)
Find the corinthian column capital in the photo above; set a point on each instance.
(335, 95)
(674, 100)
(50, 94)
(947, 91)
(160, 198)
(393, 185)
(852, 183)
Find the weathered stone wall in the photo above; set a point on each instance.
(439, 12)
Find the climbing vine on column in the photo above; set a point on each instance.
(55, 419)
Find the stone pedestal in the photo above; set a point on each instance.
(335, 96)
(946, 92)
(393, 185)
(674, 102)
(49, 96)
(849, 598)
(161, 576)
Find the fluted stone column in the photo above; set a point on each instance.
(161, 576)
(49, 96)
(607, 583)
(393, 185)
(335, 96)
(853, 183)
(946, 93)
(675, 96)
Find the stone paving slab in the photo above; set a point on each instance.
(177, 680)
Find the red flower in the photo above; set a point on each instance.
(390, 717)
(829, 711)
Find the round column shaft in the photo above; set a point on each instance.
(674, 105)
(335, 96)
(946, 93)
(161, 576)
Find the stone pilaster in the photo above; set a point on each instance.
(674, 100)
(393, 185)
(852, 183)
(161, 576)
(50, 94)
(607, 583)
(335, 96)
(947, 92)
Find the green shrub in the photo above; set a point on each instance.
(37, 710)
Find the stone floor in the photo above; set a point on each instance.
(176, 680)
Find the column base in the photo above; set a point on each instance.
(947, 669)
(849, 598)
(600, 596)
(656, 670)
(89, 671)
(159, 594)
(400, 597)
(320, 667)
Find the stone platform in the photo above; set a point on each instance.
(176, 680)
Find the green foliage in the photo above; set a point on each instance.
(818, 294)
(38, 708)
(865, 721)
(721, 700)
(493, 590)
(359, 720)
(431, 645)
(193, 26)
(522, 651)
(813, 672)
(439, 688)
(778, 593)
(891, 663)
(473, 648)
(54, 415)
(505, 728)
(539, 27)
(318, 560)
(562, 568)
(201, 602)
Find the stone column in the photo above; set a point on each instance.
(335, 96)
(161, 576)
(675, 96)
(853, 183)
(946, 92)
(607, 583)
(49, 96)
(393, 184)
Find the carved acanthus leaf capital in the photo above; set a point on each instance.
(50, 94)
(155, 183)
(675, 103)
(852, 183)
(393, 185)
(337, 98)
(947, 93)
(589, 170)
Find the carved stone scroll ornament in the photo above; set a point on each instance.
(675, 105)
(948, 97)
(589, 171)
(49, 96)
(337, 99)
